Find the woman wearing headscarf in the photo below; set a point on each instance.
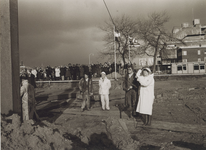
(146, 94)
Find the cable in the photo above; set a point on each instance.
(109, 13)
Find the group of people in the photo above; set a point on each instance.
(139, 93)
(138, 87)
(75, 71)
(86, 89)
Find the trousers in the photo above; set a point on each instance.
(86, 100)
(105, 101)
(131, 100)
(27, 111)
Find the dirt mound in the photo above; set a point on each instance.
(117, 131)
(18, 136)
(110, 133)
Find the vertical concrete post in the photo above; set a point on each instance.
(9, 53)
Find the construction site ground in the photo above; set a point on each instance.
(178, 119)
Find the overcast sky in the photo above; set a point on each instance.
(58, 32)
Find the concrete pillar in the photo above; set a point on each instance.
(9, 53)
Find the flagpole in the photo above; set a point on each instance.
(115, 67)
(115, 76)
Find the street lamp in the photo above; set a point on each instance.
(89, 57)
(129, 52)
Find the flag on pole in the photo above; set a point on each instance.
(130, 40)
(117, 36)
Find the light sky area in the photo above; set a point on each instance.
(59, 32)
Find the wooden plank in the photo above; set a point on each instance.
(114, 111)
(176, 127)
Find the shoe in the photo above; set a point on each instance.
(146, 120)
(107, 109)
(88, 109)
(149, 120)
(82, 109)
(103, 109)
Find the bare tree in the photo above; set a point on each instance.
(155, 36)
(153, 33)
(127, 29)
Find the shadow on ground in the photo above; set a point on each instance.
(96, 142)
(191, 146)
(149, 147)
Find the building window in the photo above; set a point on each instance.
(202, 66)
(184, 60)
(199, 59)
(184, 67)
(205, 59)
(199, 52)
(173, 61)
(196, 67)
(179, 68)
(184, 52)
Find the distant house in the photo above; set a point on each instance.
(143, 60)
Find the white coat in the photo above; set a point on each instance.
(57, 72)
(146, 94)
(28, 100)
(104, 86)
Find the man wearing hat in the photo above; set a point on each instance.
(104, 86)
(146, 94)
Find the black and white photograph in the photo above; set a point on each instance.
(103, 74)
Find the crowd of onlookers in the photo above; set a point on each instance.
(74, 71)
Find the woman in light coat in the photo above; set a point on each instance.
(104, 86)
(146, 94)
(27, 94)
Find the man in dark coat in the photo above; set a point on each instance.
(71, 71)
(62, 72)
(81, 69)
(131, 86)
(68, 74)
(31, 78)
(86, 89)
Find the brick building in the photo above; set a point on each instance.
(188, 56)
(191, 54)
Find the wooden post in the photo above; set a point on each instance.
(9, 52)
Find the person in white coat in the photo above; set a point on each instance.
(104, 86)
(57, 73)
(146, 94)
(27, 94)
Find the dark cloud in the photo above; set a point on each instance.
(57, 32)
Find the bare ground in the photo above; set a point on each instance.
(179, 121)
